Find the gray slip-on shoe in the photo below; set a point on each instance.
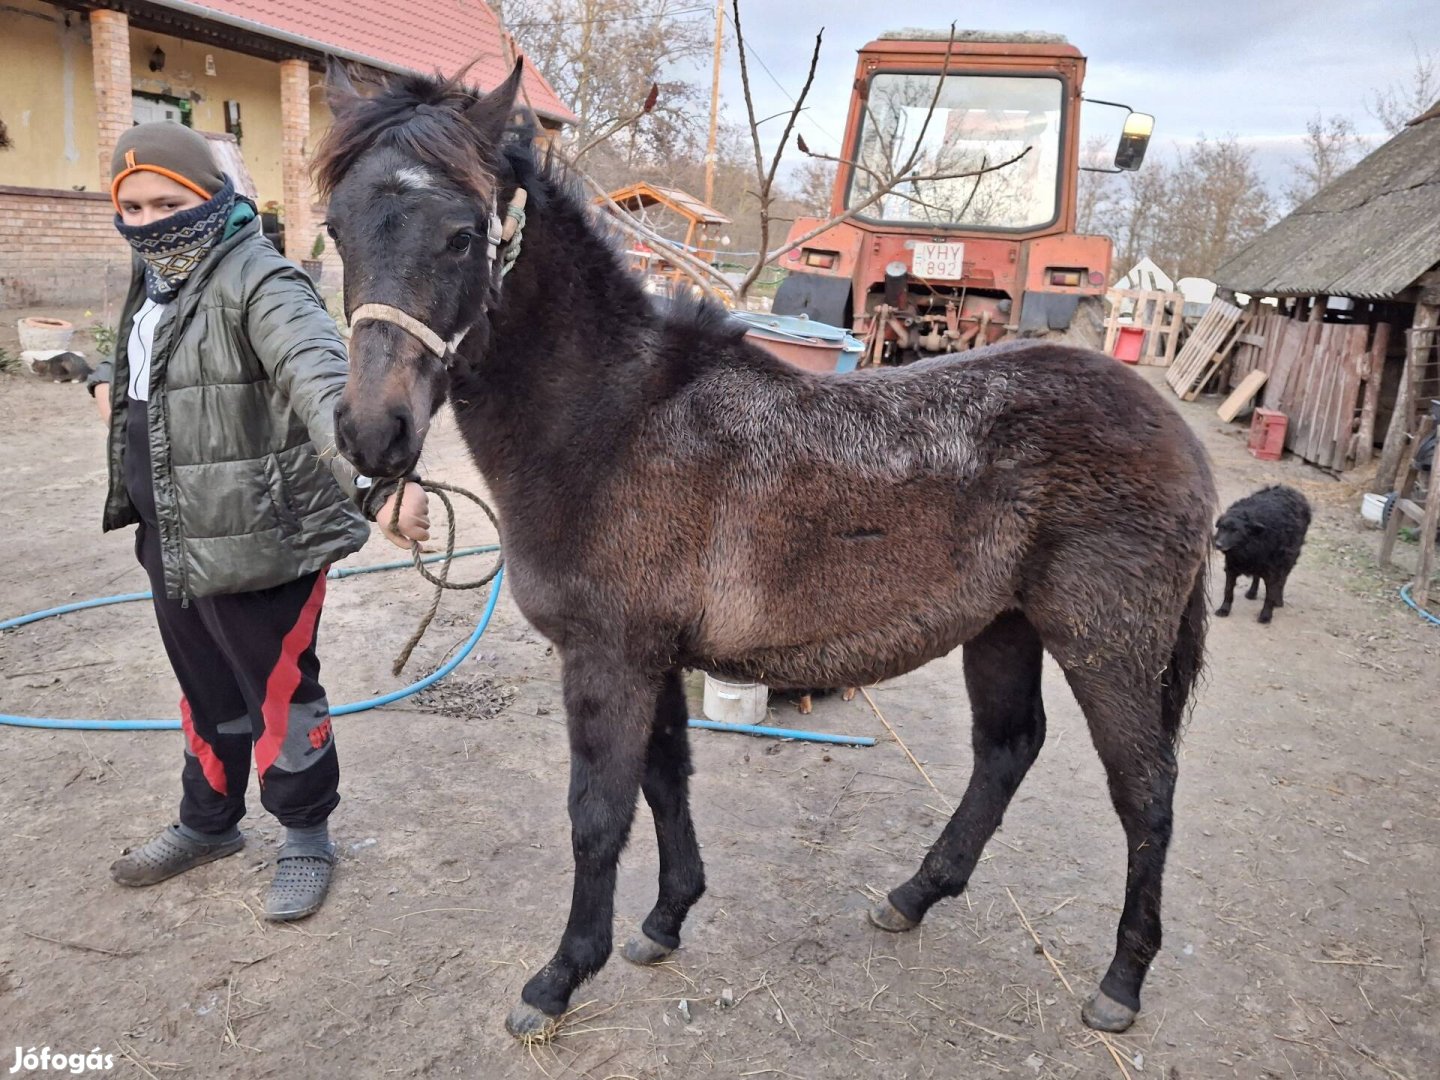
(170, 853)
(302, 878)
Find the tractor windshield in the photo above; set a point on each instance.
(979, 122)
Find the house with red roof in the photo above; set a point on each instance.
(75, 74)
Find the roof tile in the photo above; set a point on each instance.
(408, 35)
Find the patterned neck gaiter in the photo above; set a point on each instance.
(174, 246)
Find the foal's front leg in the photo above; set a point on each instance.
(609, 711)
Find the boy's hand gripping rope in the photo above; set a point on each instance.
(442, 580)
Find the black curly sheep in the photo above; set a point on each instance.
(1261, 535)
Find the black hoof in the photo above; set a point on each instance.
(645, 951)
(1104, 1013)
(530, 1025)
(1263, 619)
(887, 916)
(1222, 611)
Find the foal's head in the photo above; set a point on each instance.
(409, 172)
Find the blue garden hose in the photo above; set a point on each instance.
(1405, 595)
(10, 720)
(339, 710)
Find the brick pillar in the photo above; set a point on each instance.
(295, 158)
(110, 54)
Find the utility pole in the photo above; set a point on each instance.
(715, 103)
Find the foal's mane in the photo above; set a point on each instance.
(422, 116)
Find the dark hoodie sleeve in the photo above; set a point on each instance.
(300, 347)
(103, 375)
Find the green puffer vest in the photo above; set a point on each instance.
(246, 371)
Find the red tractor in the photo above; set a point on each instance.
(942, 262)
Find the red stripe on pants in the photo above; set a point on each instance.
(284, 678)
(210, 765)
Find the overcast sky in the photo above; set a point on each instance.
(1257, 69)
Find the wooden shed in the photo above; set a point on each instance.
(1350, 349)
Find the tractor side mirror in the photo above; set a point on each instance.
(1134, 140)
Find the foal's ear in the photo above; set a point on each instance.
(340, 92)
(491, 112)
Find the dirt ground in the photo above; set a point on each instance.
(1301, 894)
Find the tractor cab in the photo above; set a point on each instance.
(960, 181)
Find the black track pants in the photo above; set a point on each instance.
(249, 677)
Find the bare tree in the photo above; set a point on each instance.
(603, 56)
(1097, 191)
(1330, 148)
(765, 176)
(813, 185)
(1136, 218)
(1216, 204)
(1403, 100)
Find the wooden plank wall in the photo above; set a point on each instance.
(1324, 376)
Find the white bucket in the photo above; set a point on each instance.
(735, 703)
(1372, 507)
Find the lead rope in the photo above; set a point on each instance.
(442, 580)
(510, 234)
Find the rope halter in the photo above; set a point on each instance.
(506, 233)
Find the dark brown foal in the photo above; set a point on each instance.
(671, 496)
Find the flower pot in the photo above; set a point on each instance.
(40, 334)
(314, 267)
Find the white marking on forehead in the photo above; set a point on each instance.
(413, 176)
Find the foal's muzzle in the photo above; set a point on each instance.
(384, 413)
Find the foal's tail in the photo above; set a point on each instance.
(1187, 658)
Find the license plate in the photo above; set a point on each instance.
(933, 261)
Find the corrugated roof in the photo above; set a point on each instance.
(1368, 235)
(395, 35)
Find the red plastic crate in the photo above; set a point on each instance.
(1267, 434)
(1129, 344)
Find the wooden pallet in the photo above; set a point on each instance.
(1206, 349)
(1160, 314)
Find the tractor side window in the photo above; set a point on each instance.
(979, 122)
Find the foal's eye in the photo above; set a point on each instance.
(331, 230)
(461, 241)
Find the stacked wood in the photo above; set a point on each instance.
(1159, 314)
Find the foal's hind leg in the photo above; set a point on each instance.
(667, 790)
(1122, 705)
(610, 710)
(1002, 675)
